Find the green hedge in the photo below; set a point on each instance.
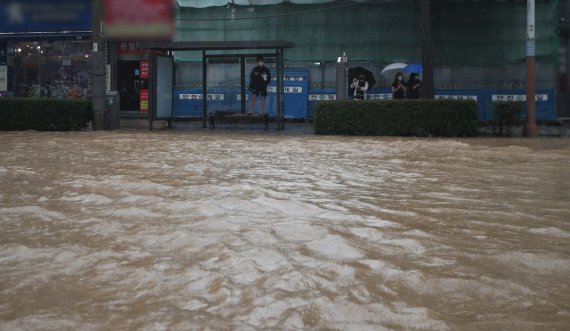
(444, 118)
(43, 114)
(505, 114)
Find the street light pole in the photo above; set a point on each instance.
(530, 127)
(341, 76)
(98, 83)
(428, 86)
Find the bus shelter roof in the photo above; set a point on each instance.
(217, 45)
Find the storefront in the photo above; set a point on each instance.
(132, 67)
(51, 68)
(59, 68)
(45, 48)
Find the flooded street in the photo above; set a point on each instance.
(181, 230)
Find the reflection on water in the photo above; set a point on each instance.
(178, 230)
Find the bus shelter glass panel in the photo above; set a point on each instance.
(164, 85)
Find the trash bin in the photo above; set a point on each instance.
(112, 111)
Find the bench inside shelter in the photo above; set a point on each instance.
(233, 117)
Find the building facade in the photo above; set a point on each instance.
(44, 51)
(478, 46)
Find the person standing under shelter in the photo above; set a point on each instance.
(360, 86)
(414, 86)
(259, 79)
(399, 87)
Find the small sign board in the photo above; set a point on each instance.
(138, 19)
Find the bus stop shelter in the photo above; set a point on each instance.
(161, 80)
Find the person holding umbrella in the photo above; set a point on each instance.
(413, 88)
(360, 87)
(399, 87)
(361, 80)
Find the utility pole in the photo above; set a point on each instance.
(428, 89)
(530, 127)
(341, 76)
(98, 68)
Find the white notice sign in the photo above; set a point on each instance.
(518, 97)
(196, 96)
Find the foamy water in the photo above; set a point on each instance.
(215, 231)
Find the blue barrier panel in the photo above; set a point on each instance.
(545, 102)
(188, 101)
(316, 95)
(300, 101)
(296, 94)
(466, 94)
(380, 93)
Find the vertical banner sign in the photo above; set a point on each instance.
(108, 76)
(3, 53)
(138, 19)
(3, 78)
(3, 67)
(144, 92)
(144, 70)
(530, 29)
(530, 17)
(144, 100)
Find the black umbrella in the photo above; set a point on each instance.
(357, 71)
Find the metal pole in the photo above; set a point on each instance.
(323, 67)
(428, 85)
(204, 89)
(280, 94)
(341, 76)
(242, 90)
(530, 127)
(98, 67)
(153, 89)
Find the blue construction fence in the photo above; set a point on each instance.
(545, 99)
(300, 99)
(188, 101)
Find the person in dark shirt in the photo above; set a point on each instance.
(359, 86)
(414, 87)
(399, 86)
(259, 79)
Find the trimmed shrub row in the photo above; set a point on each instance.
(505, 114)
(18, 114)
(443, 118)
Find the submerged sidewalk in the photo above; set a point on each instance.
(552, 129)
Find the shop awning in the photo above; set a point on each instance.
(218, 3)
(47, 35)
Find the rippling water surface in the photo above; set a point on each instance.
(179, 230)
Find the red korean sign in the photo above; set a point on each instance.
(144, 70)
(138, 19)
(144, 100)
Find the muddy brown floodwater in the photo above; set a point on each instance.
(241, 231)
